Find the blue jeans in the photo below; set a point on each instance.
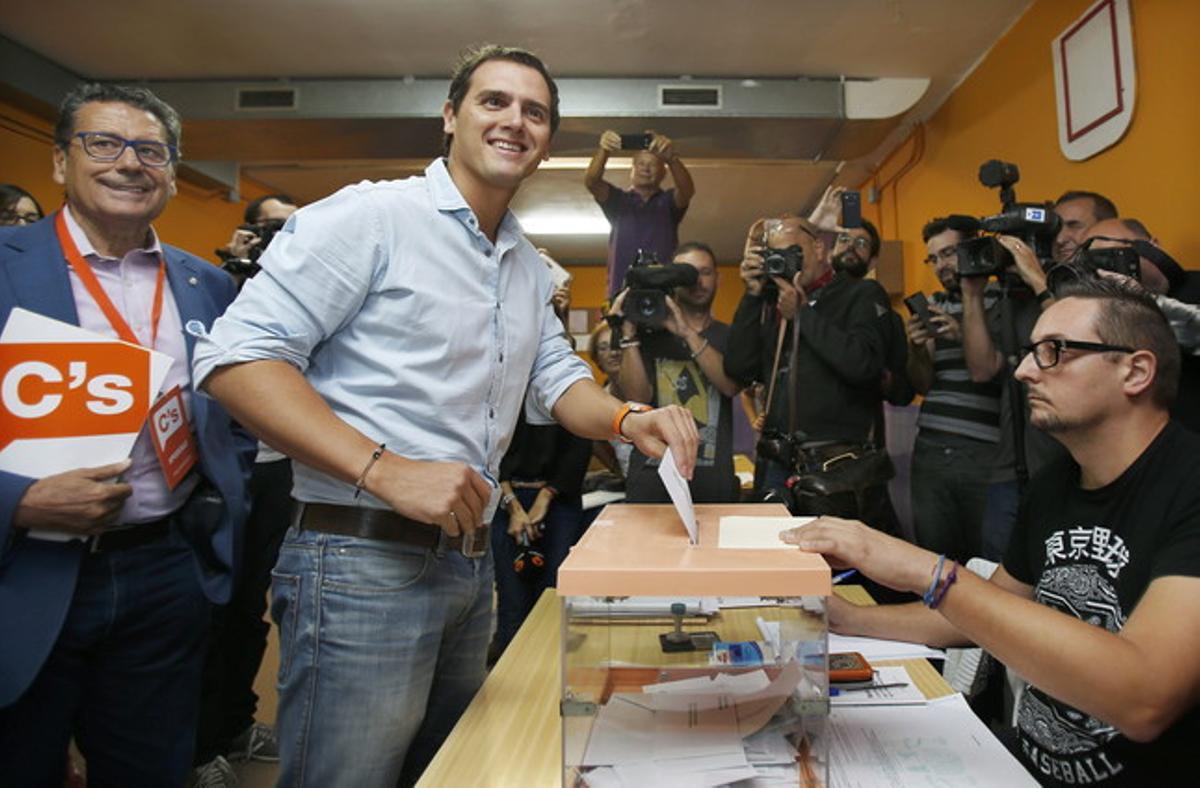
(999, 517)
(382, 646)
(949, 479)
(516, 594)
(123, 677)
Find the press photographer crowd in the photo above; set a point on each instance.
(356, 425)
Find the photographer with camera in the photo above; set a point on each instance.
(958, 428)
(1126, 247)
(816, 338)
(263, 218)
(1017, 255)
(672, 352)
(643, 217)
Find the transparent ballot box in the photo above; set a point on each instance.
(691, 664)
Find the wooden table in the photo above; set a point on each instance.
(511, 733)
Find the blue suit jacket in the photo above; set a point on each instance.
(37, 577)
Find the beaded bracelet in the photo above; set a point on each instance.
(927, 598)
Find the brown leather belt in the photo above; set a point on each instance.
(133, 536)
(388, 526)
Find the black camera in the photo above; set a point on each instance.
(1088, 262)
(1034, 223)
(244, 268)
(1118, 259)
(649, 285)
(778, 446)
(785, 263)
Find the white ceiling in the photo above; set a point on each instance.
(207, 40)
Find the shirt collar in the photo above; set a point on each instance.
(447, 197)
(84, 245)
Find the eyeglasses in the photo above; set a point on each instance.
(103, 146)
(17, 217)
(1048, 352)
(945, 254)
(857, 241)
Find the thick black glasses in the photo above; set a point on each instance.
(103, 146)
(1048, 352)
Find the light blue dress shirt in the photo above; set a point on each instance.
(415, 328)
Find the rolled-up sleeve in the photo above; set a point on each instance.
(555, 369)
(315, 276)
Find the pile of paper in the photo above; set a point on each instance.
(704, 731)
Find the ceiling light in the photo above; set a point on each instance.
(564, 223)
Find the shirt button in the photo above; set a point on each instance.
(491, 413)
(487, 252)
(501, 358)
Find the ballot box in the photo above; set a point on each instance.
(692, 664)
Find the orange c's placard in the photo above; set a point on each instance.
(65, 390)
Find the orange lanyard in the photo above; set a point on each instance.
(84, 272)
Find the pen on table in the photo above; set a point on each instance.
(835, 691)
(840, 576)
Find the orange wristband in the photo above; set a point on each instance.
(626, 409)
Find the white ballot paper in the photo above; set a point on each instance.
(757, 533)
(939, 744)
(58, 383)
(681, 495)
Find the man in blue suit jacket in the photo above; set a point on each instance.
(102, 630)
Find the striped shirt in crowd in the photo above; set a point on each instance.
(955, 404)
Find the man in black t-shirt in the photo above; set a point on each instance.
(683, 365)
(1097, 604)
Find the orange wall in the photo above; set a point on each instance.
(1006, 110)
(196, 219)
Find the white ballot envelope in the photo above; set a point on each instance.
(681, 494)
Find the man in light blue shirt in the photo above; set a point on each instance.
(386, 346)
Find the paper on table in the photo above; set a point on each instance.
(757, 533)
(680, 494)
(907, 695)
(41, 457)
(874, 648)
(938, 744)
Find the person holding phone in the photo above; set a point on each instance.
(644, 217)
(958, 428)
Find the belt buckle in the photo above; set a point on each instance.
(468, 546)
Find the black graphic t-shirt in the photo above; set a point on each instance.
(678, 380)
(1091, 554)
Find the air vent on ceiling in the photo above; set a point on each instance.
(691, 96)
(267, 98)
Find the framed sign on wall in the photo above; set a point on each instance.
(1094, 79)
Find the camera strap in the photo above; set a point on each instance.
(775, 366)
(793, 361)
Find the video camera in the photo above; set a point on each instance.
(1034, 223)
(649, 283)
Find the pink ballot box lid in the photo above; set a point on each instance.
(643, 550)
